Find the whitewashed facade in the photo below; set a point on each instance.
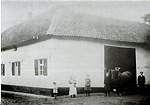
(65, 58)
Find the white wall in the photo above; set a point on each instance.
(65, 58)
(143, 63)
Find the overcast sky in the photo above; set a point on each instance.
(16, 12)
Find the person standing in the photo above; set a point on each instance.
(72, 87)
(141, 82)
(107, 83)
(118, 81)
(87, 88)
(55, 90)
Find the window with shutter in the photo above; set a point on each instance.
(40, 67)
(16, 68)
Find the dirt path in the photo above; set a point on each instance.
(94, 99)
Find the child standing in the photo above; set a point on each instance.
(87, 87)
(55, 90)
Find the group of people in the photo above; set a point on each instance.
(119, 83)
(73, 88)
(87, 88)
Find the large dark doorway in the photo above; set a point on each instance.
(124, 58)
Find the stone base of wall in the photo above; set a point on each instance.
(46, 91)
(65, 90)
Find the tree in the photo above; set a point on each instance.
(147, 18)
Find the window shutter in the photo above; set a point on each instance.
(45, 67)
(18, 68)
(13, 68)
(36, 67)
(2, 69)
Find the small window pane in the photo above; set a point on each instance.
(40, 61)
(41, 69)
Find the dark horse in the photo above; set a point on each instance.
(120, 81)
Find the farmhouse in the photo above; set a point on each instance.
(59, 43)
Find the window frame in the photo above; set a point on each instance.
(16, 71)
(40, 67)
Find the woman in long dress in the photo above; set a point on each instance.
(72, 87)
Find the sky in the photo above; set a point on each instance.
(14, 12)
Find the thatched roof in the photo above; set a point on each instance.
(73, 23)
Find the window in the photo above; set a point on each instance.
(40, 66)
(16, 68)
(2, 69)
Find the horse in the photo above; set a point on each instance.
(120, 81)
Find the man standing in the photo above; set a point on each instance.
(107, 82)
(141, 82)
(118, 81)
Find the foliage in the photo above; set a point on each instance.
(147, 18)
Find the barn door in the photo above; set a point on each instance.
(121, 57)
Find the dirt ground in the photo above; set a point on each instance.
(94, 99)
